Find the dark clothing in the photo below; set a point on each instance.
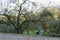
(38, 32)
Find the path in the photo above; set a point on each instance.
(21, 37)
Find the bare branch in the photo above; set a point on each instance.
(18, 19)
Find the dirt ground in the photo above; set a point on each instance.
(24, 37)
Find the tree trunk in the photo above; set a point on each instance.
(17, 31)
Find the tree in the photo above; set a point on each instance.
(46, 16)
(15, 21)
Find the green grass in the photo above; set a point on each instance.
(30, 33)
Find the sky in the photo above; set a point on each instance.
(44, 2)
(39, 2)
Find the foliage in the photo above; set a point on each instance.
(24, 21)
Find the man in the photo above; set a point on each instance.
(37, 32)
